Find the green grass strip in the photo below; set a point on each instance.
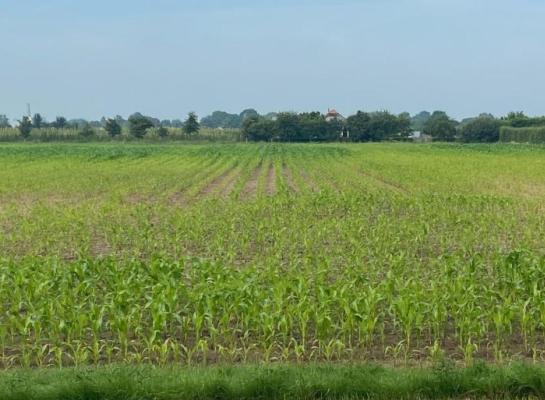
(274, 382)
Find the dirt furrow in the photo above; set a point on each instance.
(313, 187)
(271, 181)
(250, 189)
(384, 182)
(230, 184)
(216, 183)
(288, 177)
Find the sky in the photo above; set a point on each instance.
(88, 59)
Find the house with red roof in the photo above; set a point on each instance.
(333, 115)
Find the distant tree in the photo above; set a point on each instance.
(404, 125)
(481, 129)
(222, 119)
(440, 127)
(78, 123)
(86, 131)
(25, 127)
(359, 127)
(466, 121)
(112, 127)
(37, 121)
(166, 123)
(380, 125)
(419, 120)
(385, 126)
(259, 129)
(249, 112)
(155, 121)
(314, 127)
(215, 120)
(176, 123)
(138, 125)
(191, 124)
(520, 120)
(486, 115)
(121, 121)
(288, 126)
(60, 123)
(4, 121)
(271, 116)
(162, 132)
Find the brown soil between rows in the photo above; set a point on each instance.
(290, 182)
(230, 184)
(215, 184)
(313, 187)
(250, 189)
(394, 186)
(271, 181)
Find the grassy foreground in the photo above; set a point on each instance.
(278, 382)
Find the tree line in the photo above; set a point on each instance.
(382, 125)
(314, 126)
(300, 127)
(484, 128)
(137, 125)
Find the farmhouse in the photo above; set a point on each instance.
(333, 115)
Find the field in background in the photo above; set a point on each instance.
(266, 252)
(100, 135)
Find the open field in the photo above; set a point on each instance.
(200, 254)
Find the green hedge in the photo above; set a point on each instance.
(522, 135)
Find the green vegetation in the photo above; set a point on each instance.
(199, 254)
(440, 127)
(249, 125)
(520, 120)
(378, 126)
(523, 135)
(276, 382)
(191, 124)
(138, 125)
(103, 135)
(4, 122)
(481, 129)
(25, 127)
(313, 126)
(112, 128)
(222, 119)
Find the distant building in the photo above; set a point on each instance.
(333, 115)
(418, 136)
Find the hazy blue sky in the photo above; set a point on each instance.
(164, 58)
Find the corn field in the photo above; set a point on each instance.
(198, 254)
(100, 135)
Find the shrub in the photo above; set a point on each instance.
(162, 132)
(440, 127)
(138, 125)
(482, 129)
(86, 131)
(522, 135)
(191, 124)
(25, 127)
(112, 127)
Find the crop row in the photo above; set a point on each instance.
(267, 252)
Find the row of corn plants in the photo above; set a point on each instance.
(198, 254)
